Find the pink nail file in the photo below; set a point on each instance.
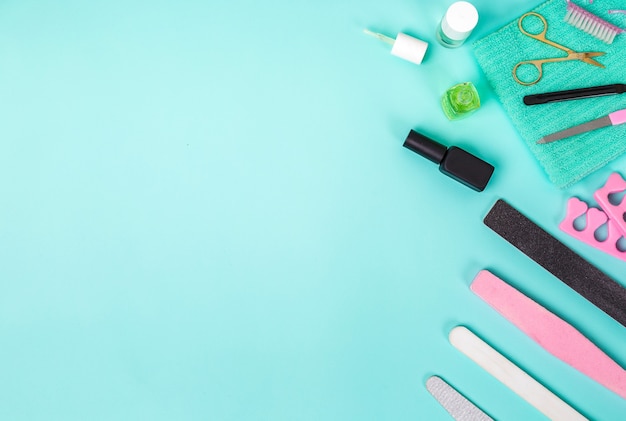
(595, 219)
(551, 332)
(617, 213)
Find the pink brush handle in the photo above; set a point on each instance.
(618, 117)
(551, 332)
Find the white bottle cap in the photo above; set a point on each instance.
(409, 48)
(459, 21)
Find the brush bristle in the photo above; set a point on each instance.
(590, 23)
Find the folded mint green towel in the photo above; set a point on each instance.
(565, 161)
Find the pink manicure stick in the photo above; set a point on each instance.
(554, 334)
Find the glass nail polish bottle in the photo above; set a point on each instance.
(457, 24)
(454, 162)
(460, 101)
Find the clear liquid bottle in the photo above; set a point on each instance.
(457, 24)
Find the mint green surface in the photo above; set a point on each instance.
(571, 159)
(207, 214)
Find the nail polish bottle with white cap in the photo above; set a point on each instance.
(457, 24)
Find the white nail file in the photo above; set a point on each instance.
(512, 376)
(452, 401)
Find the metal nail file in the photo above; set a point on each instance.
(452, 401)
(613, 119)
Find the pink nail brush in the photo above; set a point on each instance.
(613, 119)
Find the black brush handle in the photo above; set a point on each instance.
(617, 88)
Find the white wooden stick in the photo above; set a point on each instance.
(512, 376)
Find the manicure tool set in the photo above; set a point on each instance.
(599, 28)
(553, 334)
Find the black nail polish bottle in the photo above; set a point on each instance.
(453, 162)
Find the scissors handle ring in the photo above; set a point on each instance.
(541, 35)
(538, 66)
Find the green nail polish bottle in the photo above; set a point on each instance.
(460, 101)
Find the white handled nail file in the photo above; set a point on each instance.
(554, 334)
(452, 401)
(512, 376)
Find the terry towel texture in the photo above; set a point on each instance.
(568, 160)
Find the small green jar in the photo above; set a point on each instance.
(460, 101)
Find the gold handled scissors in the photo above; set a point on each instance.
(541, 36)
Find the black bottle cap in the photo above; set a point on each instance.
(425, 146)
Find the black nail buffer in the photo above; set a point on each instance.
(558, 259)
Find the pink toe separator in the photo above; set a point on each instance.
(595, 218)
(617, 213)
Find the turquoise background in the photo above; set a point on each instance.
(207, 214)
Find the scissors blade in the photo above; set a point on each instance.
(581, 128)
(587, 59)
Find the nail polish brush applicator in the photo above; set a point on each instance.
(404, 46)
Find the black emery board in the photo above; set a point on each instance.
(558, 259)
